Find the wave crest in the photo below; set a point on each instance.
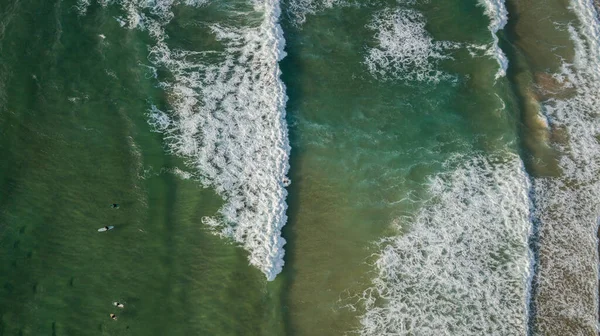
(227, 117)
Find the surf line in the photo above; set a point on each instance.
(496, 11)
(225, 114)
(237, 106)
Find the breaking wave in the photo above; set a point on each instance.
(404, 49)
(461, 265)
(496, 11)
(227, 117)
(568, 207)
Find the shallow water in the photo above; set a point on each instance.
(430, 193)
(565, 288)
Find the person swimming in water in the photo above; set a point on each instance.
(113, 316)
(118, 304)
(114, 206)
(105, 228)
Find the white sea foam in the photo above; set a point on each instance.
(568, 206)
(158, 119)
(182, 174)
(227, 117)
(404, 48)
(299, 9)
(461, 265)
(82, 6)
(496, 11)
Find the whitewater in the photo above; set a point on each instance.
(226, 116)
(461, 265)
(567, 206)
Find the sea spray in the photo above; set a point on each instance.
(227, 118)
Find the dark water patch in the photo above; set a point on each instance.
(535, 153)
(289, 66)
(539, 158)
(535, 135)
(8, 287)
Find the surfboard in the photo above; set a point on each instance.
(104, 229)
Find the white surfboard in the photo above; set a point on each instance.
(105, 228)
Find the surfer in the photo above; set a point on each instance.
(118, 304)
(113, 316)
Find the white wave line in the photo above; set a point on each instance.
(567, 207)
(496, 11)
(227, 117)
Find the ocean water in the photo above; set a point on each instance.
(75, 139)
(299, 167)
(562, 84)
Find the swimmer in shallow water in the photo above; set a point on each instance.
(114, 206)
(113, 316)
(118, 304)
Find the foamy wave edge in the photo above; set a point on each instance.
(404, 48)
(567, 207)
(228, 120)
(496, 11)
(463, 265)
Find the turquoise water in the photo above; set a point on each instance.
(441, 179)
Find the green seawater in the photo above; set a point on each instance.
(76, 88)
(364, 149)
(74, 140)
